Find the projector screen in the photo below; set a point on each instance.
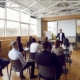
(68, 27)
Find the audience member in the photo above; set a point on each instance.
(29, 42)
(14, 54)
(57, 49)
(20, 45)
(35, 47)
(67, 45)
(46, 58)
(3, 64)
(50, 45)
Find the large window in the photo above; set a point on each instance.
(12, 29)
(12, 15)
(52, 26)
(24, 29)
(33, 21)
(1, 28)
(33, 30)
(25, 18)
(2, 10)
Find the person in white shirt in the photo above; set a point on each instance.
(67, 45)
(14, 54)
(35, 47)
(61, 36)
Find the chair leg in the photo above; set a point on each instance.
(38, 76)
(7, 71)
(10, 74)
(29, 73)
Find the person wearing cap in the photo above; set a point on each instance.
(61, 36)
(15, 54)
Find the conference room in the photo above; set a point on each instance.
(39, 39)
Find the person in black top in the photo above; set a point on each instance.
(29, 42)
(50, 45)
(46, 58)
(20, 45)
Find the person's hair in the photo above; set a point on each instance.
(60, 29)
(45, 45)
(33, 40)
(13, 43)
(46, 39)
(30, 38)
(57, 44)
(66, 43)
(18, 39)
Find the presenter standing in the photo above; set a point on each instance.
(61, 36)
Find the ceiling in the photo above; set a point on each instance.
(45, 8)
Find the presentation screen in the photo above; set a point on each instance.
(68, 27)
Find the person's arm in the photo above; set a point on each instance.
(64, 35)
(22, 59)
(57, 35)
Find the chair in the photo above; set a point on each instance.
(16, 65)
(67, 56)
(61, 59)
(48, 72)
(32, 56)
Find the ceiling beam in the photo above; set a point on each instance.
(12, 2)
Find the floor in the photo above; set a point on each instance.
(73, 73)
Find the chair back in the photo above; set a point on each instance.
(16, 65)
(47, 71)
(61, 59)
(66, 51)
(32, 56)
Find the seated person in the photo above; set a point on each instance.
(50, 45)
(3, 64)
(14, 54)
(18, 39)
(57, 49)
(35, 47)
(67, 45)
(46, 58)
(29, 42)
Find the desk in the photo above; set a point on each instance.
(26, 50)
(52, 40)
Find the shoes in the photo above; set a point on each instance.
(23, 77)
(34, 76)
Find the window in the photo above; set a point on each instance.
(13, 29)
(52, 26)
(12, 15)
(33, 30)
(2, 10)
(25, 18)
(33, 21)
(24, 29)
(1, 28)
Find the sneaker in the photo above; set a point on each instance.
(23, 77)
(34, 76)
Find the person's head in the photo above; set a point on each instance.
(18, 39)
(30, 38)
(45, 45)
(14, 44)
(46, 38)
(60, 30)
(66, 42)
(57, 44)
(33, 40)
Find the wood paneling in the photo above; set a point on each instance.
(78, 29)
(44, 28)
(62, 17)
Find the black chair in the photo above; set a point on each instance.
(32, 56)
(61, 59)
(67, 56)
(16, 65)
(47, 72)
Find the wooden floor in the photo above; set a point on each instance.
(73, 73)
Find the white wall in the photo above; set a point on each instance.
(39, 28)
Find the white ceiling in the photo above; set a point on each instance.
(45, 8)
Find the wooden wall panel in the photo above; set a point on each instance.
(78, 29)
(44, 28)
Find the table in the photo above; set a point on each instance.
(26, 49)
(52, 40)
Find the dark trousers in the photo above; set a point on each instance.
(3, 64)
(32, 64)
(61, 42)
